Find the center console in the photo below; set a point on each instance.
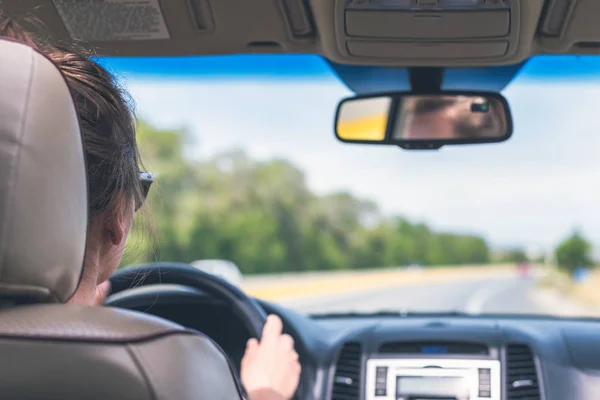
(432, 379)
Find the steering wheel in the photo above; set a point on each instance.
(246, 308)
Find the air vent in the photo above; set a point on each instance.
(346, 384)
(521, 376)
(463, 348)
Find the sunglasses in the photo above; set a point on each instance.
(146, 179)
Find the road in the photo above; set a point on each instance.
(512, 294)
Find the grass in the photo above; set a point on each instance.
(555, 278)
(586, 293)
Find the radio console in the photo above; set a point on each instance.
(432, 379)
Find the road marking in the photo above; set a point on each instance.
(362, 282)
(482, 295)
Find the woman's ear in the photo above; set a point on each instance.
(118, 221)
(114, 228)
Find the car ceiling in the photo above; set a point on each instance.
(369, 43)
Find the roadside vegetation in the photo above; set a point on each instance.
(263, 216)
(574, 273)
(574, 254)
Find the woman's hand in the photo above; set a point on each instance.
(270, 369)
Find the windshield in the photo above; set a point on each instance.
(248, 170)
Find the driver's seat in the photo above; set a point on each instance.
(50, 350)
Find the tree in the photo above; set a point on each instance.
(573, 253)
(263, 216)
(516, 256)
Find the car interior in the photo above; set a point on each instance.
(146, 341)
(41, 338)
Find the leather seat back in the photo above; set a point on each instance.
(71, 352)
(51, 350)
(43, 192)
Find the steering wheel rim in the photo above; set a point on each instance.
(246, 308)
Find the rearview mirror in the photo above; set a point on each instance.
(424, 121)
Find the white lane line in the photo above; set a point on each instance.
(482, 295)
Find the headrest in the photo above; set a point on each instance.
(43, 189)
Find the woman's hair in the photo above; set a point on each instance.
(106, 118)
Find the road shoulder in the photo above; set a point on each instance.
(553, 301)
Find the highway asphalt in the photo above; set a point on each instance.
(510, 294)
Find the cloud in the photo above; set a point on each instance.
(531, 190)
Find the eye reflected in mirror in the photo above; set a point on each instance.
(424, 121)
(449, 118)
(364, 119)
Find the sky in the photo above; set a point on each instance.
(530, 191)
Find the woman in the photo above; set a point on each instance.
(270, 369)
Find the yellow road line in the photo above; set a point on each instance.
(367, 281)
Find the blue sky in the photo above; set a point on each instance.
(532, 190)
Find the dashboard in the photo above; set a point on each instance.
(420, 357)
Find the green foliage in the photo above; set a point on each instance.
(262, 216)
(573, 253)
(516, 256)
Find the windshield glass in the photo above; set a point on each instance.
(248, 170)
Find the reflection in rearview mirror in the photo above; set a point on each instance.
(449, 118)
(424, 121)
(365, 119)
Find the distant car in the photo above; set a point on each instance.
(524, 269)
(224, 269)
(413, 267)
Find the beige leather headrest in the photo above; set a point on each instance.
(43, 192)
